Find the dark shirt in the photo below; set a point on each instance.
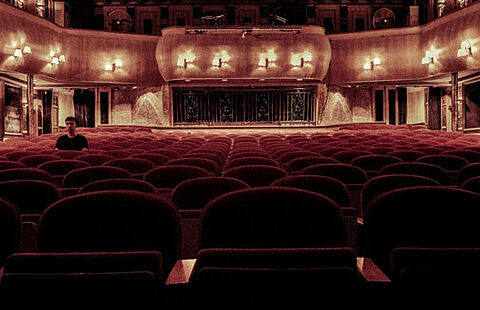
(76, 143)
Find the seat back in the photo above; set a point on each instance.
(381, 184)
(421, 216)
(272, 217)
(112, 221)
(256, 175)
(119, 184)
(417, 168)
(171, 176)
(133, 165)
(34, 161)
(328, 186)
(29, 196)
(346, 173)
(10, 230)
(82, 176)
(194, 194)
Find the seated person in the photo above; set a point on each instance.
(72, 140)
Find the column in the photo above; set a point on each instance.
(32, 120)
(454, 106)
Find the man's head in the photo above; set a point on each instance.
(71, 123)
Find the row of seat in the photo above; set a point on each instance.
(254, 243)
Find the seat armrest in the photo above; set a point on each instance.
(181, 272)
(370, 271)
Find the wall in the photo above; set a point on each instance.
(401, 50)
(86, 52)
(415, 105)
(244, 54)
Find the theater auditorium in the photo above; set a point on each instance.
(240, 153)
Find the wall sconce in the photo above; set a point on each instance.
(54, 62)
(114, 65)
(465, 49)
(428, 58)
(185, 59)
(61, 58)
(299, 60)
(220, 59)
(370, 64)
(18, 51)
(267, 59)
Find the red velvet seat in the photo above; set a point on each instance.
(256, 175)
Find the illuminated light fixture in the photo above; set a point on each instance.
(27, 49)
(428, 58)
(17, 53)
(220, 59)
(114, 65)
(61, 58)
(465, 49)
(299, 80)
(370, 64)
(299, 60)
(224, 80)
(267, 59)
(185, 59)
(54, 61)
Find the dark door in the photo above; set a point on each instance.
(47, 112)
(84, 104)
(434, 105)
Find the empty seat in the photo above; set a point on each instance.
(112, 221)
(203, 163)
(156, 159)
(250, 161)
(118, 184)
(328, 186)
(118, 153)
(346, 173)
(29, 196)
(427, 245)
(407, 155)
(384, 183)
(249, 153)
(10, 230)
(82, 176)
(101, 278)
(261, 246)
(171, 176)
(268, 217)
(348, 156)
(8, 164)
(417, 168)
(34, 161)
(25, 174)
(469, 155)
(256, 175)
(194, 194)
(16, 155)
(421, 216)
(467, 172)
(285, 158)
(296, 165)
(136, 166)
(372, 164)
(95, 159)
(451, 163)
